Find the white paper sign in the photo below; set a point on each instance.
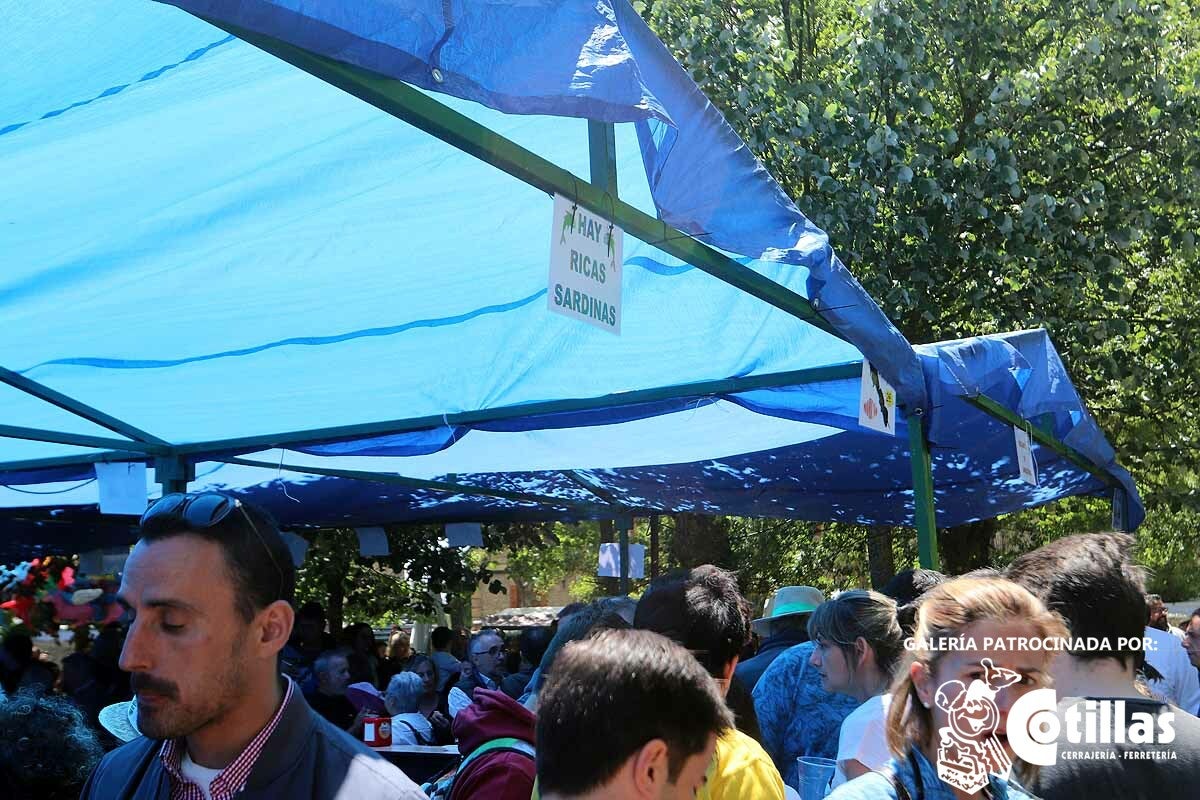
(610, 560)
(372, 542)
(464, 534)
(876, 401)
(298, 546)
(585, 266)
(1025, 457)
(122, 488)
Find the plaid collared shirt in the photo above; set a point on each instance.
(233, 778)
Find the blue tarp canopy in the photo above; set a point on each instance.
(210, 253)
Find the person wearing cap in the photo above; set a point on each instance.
(783, 624)
(208, 589)
(796, 715)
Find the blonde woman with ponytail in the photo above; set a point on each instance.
(953, 648)
(858, 645)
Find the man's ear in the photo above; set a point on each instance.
(651, 768)
(275, 626)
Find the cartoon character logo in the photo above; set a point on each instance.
(968, 749)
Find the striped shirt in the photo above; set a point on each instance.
(233, 778)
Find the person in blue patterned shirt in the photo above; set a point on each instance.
(796, 716)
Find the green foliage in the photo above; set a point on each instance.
(401, 586)
(985, 166)
(563, 552)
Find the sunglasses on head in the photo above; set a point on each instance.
(199, 512)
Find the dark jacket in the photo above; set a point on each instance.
(305, 757)
(467, 684)
(749, 671)
(500, 775)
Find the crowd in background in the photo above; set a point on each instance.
(679, 693)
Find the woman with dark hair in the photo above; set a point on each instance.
(432, 704)
(359, 641)
(48, 751)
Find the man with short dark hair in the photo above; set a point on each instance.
(486, 654)
(209, 588)
(703, 610)
(649, 713)
(1091, 582)
(532, 643)
(448, 665)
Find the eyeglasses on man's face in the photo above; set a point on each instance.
(491, 651)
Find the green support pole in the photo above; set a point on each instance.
(78, 439)
(174, 474)
(923, 505)
(624, 524)
(205, 450)
(602, 150)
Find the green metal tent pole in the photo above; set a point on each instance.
(174, 474)
(1042, 437)
(924, 514)
(77, 439)
(615, 400)
(602, 153)
(203, 450)
(422, 111)
(31, 387)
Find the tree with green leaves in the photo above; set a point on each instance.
(985, 166)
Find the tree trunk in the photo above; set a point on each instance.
(335, 603)
(880, 561)
(966, 547)
(700, 539)
(655, 529)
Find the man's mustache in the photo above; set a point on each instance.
(140, 681)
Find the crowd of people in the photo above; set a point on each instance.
(217, 687)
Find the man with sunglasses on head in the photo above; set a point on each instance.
(208, 590)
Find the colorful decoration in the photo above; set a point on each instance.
(46, 592)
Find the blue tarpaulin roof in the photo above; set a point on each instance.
(208, 244)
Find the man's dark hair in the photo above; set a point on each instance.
(794, 625)
(1091, 581)
(259, 561)
(48, 751)
(702, 610)
(312, 610)
(617, 692)
(533, 643)
(907, 588)
(441, 637)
